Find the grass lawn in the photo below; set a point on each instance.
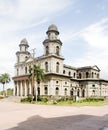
(71, 103)
(99, 103)
(85, 102)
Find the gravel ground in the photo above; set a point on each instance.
(16, 116)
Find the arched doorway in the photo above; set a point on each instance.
(46, 90)
(38, 91)
(72, 92)
(83, 93)
(65, 91)
(78, 92)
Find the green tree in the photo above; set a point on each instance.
(4, 78)
(37, 75)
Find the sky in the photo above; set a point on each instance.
(83, 27)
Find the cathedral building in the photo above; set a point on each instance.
(60, 79)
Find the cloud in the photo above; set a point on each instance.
(22, 18)
(21, 14)
(96, 36)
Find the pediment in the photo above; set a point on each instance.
(95, 67)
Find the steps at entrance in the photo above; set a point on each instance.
(11, 99)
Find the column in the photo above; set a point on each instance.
(25, 85)
(17, 85)
(14, 90)
(21, 89)
(30, 89)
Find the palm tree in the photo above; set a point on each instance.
(4, 78)
(37, 75)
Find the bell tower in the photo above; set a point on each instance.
(23, 54)
(52, 45)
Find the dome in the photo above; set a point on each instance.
(24, 41)
(52, 28)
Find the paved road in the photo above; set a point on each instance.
(16, 116)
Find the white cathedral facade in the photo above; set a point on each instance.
(60, 79)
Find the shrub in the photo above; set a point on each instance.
(91, 100)
(1, 96)
(28, 99)
(44, 99)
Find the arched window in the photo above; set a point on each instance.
(25, 70)
(57, 91)
(47, 50)
(65, 91)
(46, 90)
(63, 71)
(72, 92)
(80, 76)
(69, 73)
(17, 71)
(46, 66)
(87, 75)
(74, 75)
(57, 50)
(92, 75)
(57, 67)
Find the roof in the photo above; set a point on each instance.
(69, 67)
(89, 67)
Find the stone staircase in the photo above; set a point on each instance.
(11, 99)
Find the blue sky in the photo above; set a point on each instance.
(83, 27)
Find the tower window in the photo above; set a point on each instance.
(74, 75)
(57, 67)
(18, 59)
(46, 66)
(17, 71)
(25, 70)
(57, 50)
(47, 50)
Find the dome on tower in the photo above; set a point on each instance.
(53, 28)
(24, 42)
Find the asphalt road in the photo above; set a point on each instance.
(16, 116)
